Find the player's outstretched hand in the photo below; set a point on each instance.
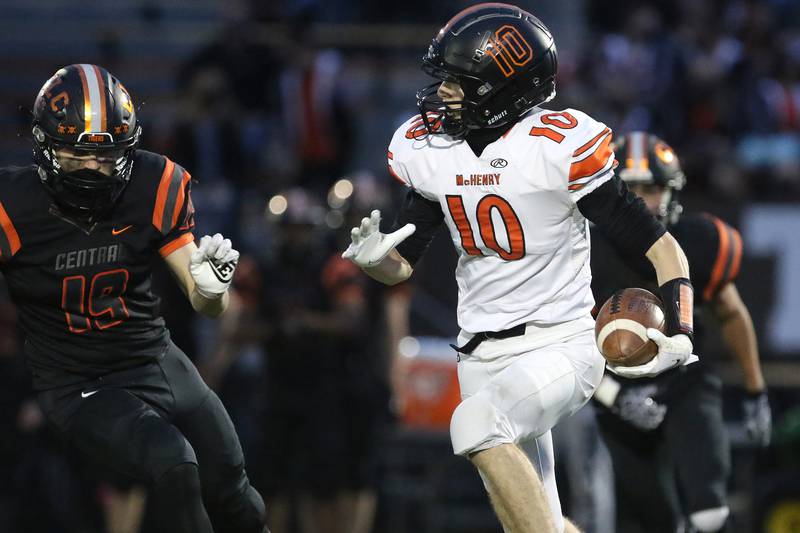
(672, 352)
(369, 246)
(212, 266)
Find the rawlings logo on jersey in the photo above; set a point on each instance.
(477, 179)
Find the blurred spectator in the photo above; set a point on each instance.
(638, 73)
(323, 401)
(317, 119)
(235, 369)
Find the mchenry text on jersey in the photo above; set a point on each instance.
(478, 179)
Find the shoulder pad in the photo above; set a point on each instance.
(578, 144)
(409, 141)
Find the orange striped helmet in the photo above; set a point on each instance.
(85, 109)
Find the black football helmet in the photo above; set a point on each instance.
(85, 109)
(644, 159)
(503, 58)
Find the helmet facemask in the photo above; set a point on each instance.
(83, 193)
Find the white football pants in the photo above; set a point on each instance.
(515, 390)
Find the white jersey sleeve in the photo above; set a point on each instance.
(583, 158)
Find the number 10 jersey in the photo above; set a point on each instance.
(523, 245)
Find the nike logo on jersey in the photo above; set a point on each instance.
(115, 231)
(87, 394)
(477, 179)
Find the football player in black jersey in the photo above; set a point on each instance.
(666, 433)
(78, 231)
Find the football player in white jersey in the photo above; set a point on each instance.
(515, 185)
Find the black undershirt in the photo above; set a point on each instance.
(621, 215)
(478, 140)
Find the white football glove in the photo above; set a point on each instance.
(212, 266)
(370, 246)
(672, 352)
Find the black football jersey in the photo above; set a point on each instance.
(84, 294)
(713, 248)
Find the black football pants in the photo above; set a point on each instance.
(160, 423)
(663, 476)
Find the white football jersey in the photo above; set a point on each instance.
(523, 244)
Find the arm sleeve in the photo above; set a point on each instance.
(622, 217)
(427, 216)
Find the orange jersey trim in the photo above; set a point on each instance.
(163, 191)
(180, 199)
(174, 244)
(594, 163)
(589, 144)
(719, 263)
(10, 231)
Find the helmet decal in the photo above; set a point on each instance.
(94, 98)
(509, 49)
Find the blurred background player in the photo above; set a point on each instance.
(324, 396)
(80, 229)
(666, 434)
(515, 184)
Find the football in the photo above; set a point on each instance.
(621, 327)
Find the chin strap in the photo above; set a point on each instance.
(677, 296)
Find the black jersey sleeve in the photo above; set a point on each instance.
(622, 216)
(173, 213)
(714, 251)
(427, 216)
